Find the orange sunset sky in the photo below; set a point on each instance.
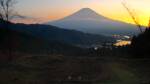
(40, 11)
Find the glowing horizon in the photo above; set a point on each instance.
(48, 10)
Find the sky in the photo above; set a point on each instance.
(39, 11)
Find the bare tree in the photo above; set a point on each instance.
(7, 9)
(133, 16)
(7, 12)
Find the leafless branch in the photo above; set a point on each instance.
(6, 9)
(133, 16)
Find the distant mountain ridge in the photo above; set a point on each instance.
(89, 21)
(52, 33)
(20, 41)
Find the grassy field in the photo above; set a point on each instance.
(75, 70)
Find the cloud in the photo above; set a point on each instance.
(27, 19)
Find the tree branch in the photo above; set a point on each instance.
(132, 16)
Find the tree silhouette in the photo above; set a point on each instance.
(7, 12)
(141, 44)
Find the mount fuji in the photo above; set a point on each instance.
(87, 20)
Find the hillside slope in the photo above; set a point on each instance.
(52, 33)
(25, 43)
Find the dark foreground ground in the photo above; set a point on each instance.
(75, 70)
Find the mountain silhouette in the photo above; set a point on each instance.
(87, 20)
(53, 33)
(27, 43)
(84, 14)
